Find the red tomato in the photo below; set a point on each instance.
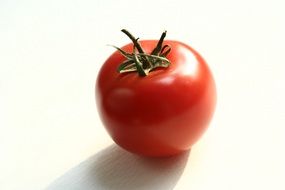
(163, 113)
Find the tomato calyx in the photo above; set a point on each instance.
(141, 62)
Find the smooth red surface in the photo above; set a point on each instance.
(163, 113)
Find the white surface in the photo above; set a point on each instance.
(50, 52)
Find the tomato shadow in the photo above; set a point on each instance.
(116, 169)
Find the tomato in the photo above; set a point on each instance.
(163, 111)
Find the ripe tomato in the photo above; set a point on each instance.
(163, 111)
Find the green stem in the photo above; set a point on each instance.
(134, 40)
(139, 65)
(158, 47)
(145, 61)
(141, 62)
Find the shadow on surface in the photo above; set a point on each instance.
(114, 168)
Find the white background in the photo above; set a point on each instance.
(51, 51)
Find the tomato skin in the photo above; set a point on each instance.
(161, 114)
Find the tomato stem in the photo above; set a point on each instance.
(139, 65)
(158, 47)
(141, 62)
(135, 40)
